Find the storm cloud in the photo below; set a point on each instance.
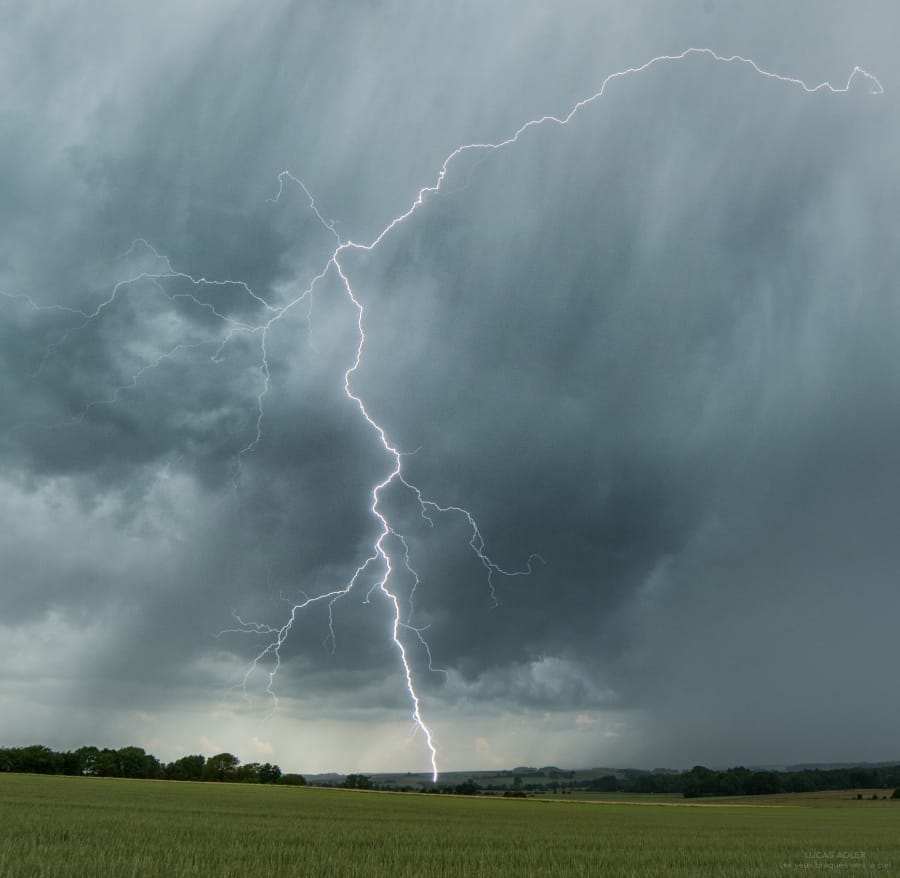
(655, 347)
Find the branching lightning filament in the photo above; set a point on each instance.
(390, 549)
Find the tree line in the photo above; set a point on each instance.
(135, 762)
(739, 781)
(697, 782)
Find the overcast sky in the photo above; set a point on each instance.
(657, 347)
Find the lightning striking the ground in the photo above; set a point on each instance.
(390, 550)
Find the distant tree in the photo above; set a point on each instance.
(248, 773)
(468, 788)
(222, 766)
(87, 758)
(186, 768)
(357, 782)
(136, 762)
(734, 782)
(800, 782)
(861, 777)
(761, 783)
(269, 773)
(896, 794)
(699, 781)
(38, 759)
(609, 783)
(657, 783)
(70, 763)
(106, 764)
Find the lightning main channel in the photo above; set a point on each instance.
(382, 558)
(477, 544)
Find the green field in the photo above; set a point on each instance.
(71, 826)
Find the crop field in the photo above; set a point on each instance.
(64, 826)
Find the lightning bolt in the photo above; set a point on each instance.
(382, 557)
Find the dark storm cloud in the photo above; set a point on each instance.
(656, 347)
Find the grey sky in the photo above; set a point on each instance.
(656, 347)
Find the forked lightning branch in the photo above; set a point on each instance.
(390, 551)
